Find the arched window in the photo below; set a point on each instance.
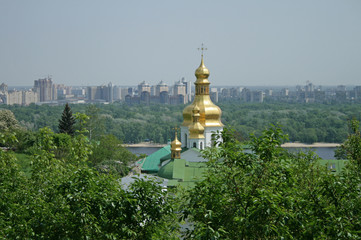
(194, 145)
(201, 146)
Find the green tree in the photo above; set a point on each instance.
(95, 123)
(351, 148)
(271, 194)
(67, 121)
(67, 199)
(8, 121)
(109, 156)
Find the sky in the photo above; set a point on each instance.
(249, 42)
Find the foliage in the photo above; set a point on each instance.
(271, 194)
(131, 124)
(95, 124)
(8, 121)
(110, 156)
(67, 121)
(66, 199)
(350, 149)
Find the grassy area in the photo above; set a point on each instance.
(24, 163)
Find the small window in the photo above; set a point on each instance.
(194, 145)
(201, 147)
(332, 167)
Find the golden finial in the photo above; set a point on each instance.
(202, 49)
(175, 131)
(176, 145)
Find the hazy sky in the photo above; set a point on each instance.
(250, 43)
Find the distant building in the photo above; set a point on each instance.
(188, 89)
(101, 93)
(143, 87)
(29, 97)
(161, 87)
(214, 94)
(179, 92)
(17, 97)
(45, 90)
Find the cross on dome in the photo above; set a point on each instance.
(202, 49)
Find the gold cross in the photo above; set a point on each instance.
(202, 48)
(175, 130)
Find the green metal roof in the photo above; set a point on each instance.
(182, 173)
(151, 163)
(166, 171)
(333, 165)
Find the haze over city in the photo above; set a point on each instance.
(125, 42)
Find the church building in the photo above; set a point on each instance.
(202, 117)
(181, 163)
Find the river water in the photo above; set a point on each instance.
(322, 152)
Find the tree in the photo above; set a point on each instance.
(110, 156)
(271, 194)
(8, 121)
(67, 121)
(67, 199)
(351, 148)
(95, 123)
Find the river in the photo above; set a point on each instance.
(322, 152)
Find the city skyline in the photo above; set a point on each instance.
(250, 43)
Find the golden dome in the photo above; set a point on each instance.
(210, 114)
(196, 130)
(202, 72)
(176, 145)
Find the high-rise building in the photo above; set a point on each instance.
(143, 87)
(161, 87)
(17, 97)
(45, 89)
(29, 97)
(179, 91)
(188, 89)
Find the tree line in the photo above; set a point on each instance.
(306, 123)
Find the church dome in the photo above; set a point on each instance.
(176, 145)
(196, 130)
(210, 114)
(166, 171)
(202, 72)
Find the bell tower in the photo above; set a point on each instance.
(202, 112)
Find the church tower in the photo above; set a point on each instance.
(176, 147)
(202, 118)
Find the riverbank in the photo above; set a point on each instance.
(313, 145)
(144, 145)
(285, 145)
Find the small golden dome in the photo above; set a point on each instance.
(196, 130)
(202, 71)
(176, 145)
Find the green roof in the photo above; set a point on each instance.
(182, 172)
(166, 171)
(151, 163)
(333, 165)
(169, 156)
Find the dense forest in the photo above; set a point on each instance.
(306, 123)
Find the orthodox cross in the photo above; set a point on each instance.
(202, 48)
(175, 130)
